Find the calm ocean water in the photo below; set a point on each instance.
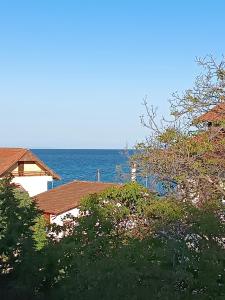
(82, 164)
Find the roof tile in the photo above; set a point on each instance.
(68, 196)
(216, 114)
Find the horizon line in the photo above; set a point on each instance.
(47, 148)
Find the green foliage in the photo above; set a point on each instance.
(170, 136)
(117, 203)
(22, 232)
(39, 232)
(39, 227)
(170, 248)
(165, 210)
(170, 261)
(127, 195)
(16, 218)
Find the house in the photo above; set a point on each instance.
(212, 158)
(213, 117)
(32, 175)
(65, 199)
(27, 169)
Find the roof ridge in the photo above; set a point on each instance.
(14, 148)
(91, 181)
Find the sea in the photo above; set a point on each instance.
(111, 165)
(86, 164)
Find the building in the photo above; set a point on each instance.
(65, 199)
(214, 117)
(27, 170)
(32, 175)
(212, 157)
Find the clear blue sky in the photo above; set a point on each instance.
(73, 73)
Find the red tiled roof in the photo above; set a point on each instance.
(10, 156)
(68, 196)
(216, 114)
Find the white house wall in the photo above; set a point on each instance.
(33, 184)
(58, 219)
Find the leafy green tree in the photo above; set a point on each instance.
(130, 244)
(183, 149)
(163, 254)
(22, 233)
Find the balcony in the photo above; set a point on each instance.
(29, 173)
